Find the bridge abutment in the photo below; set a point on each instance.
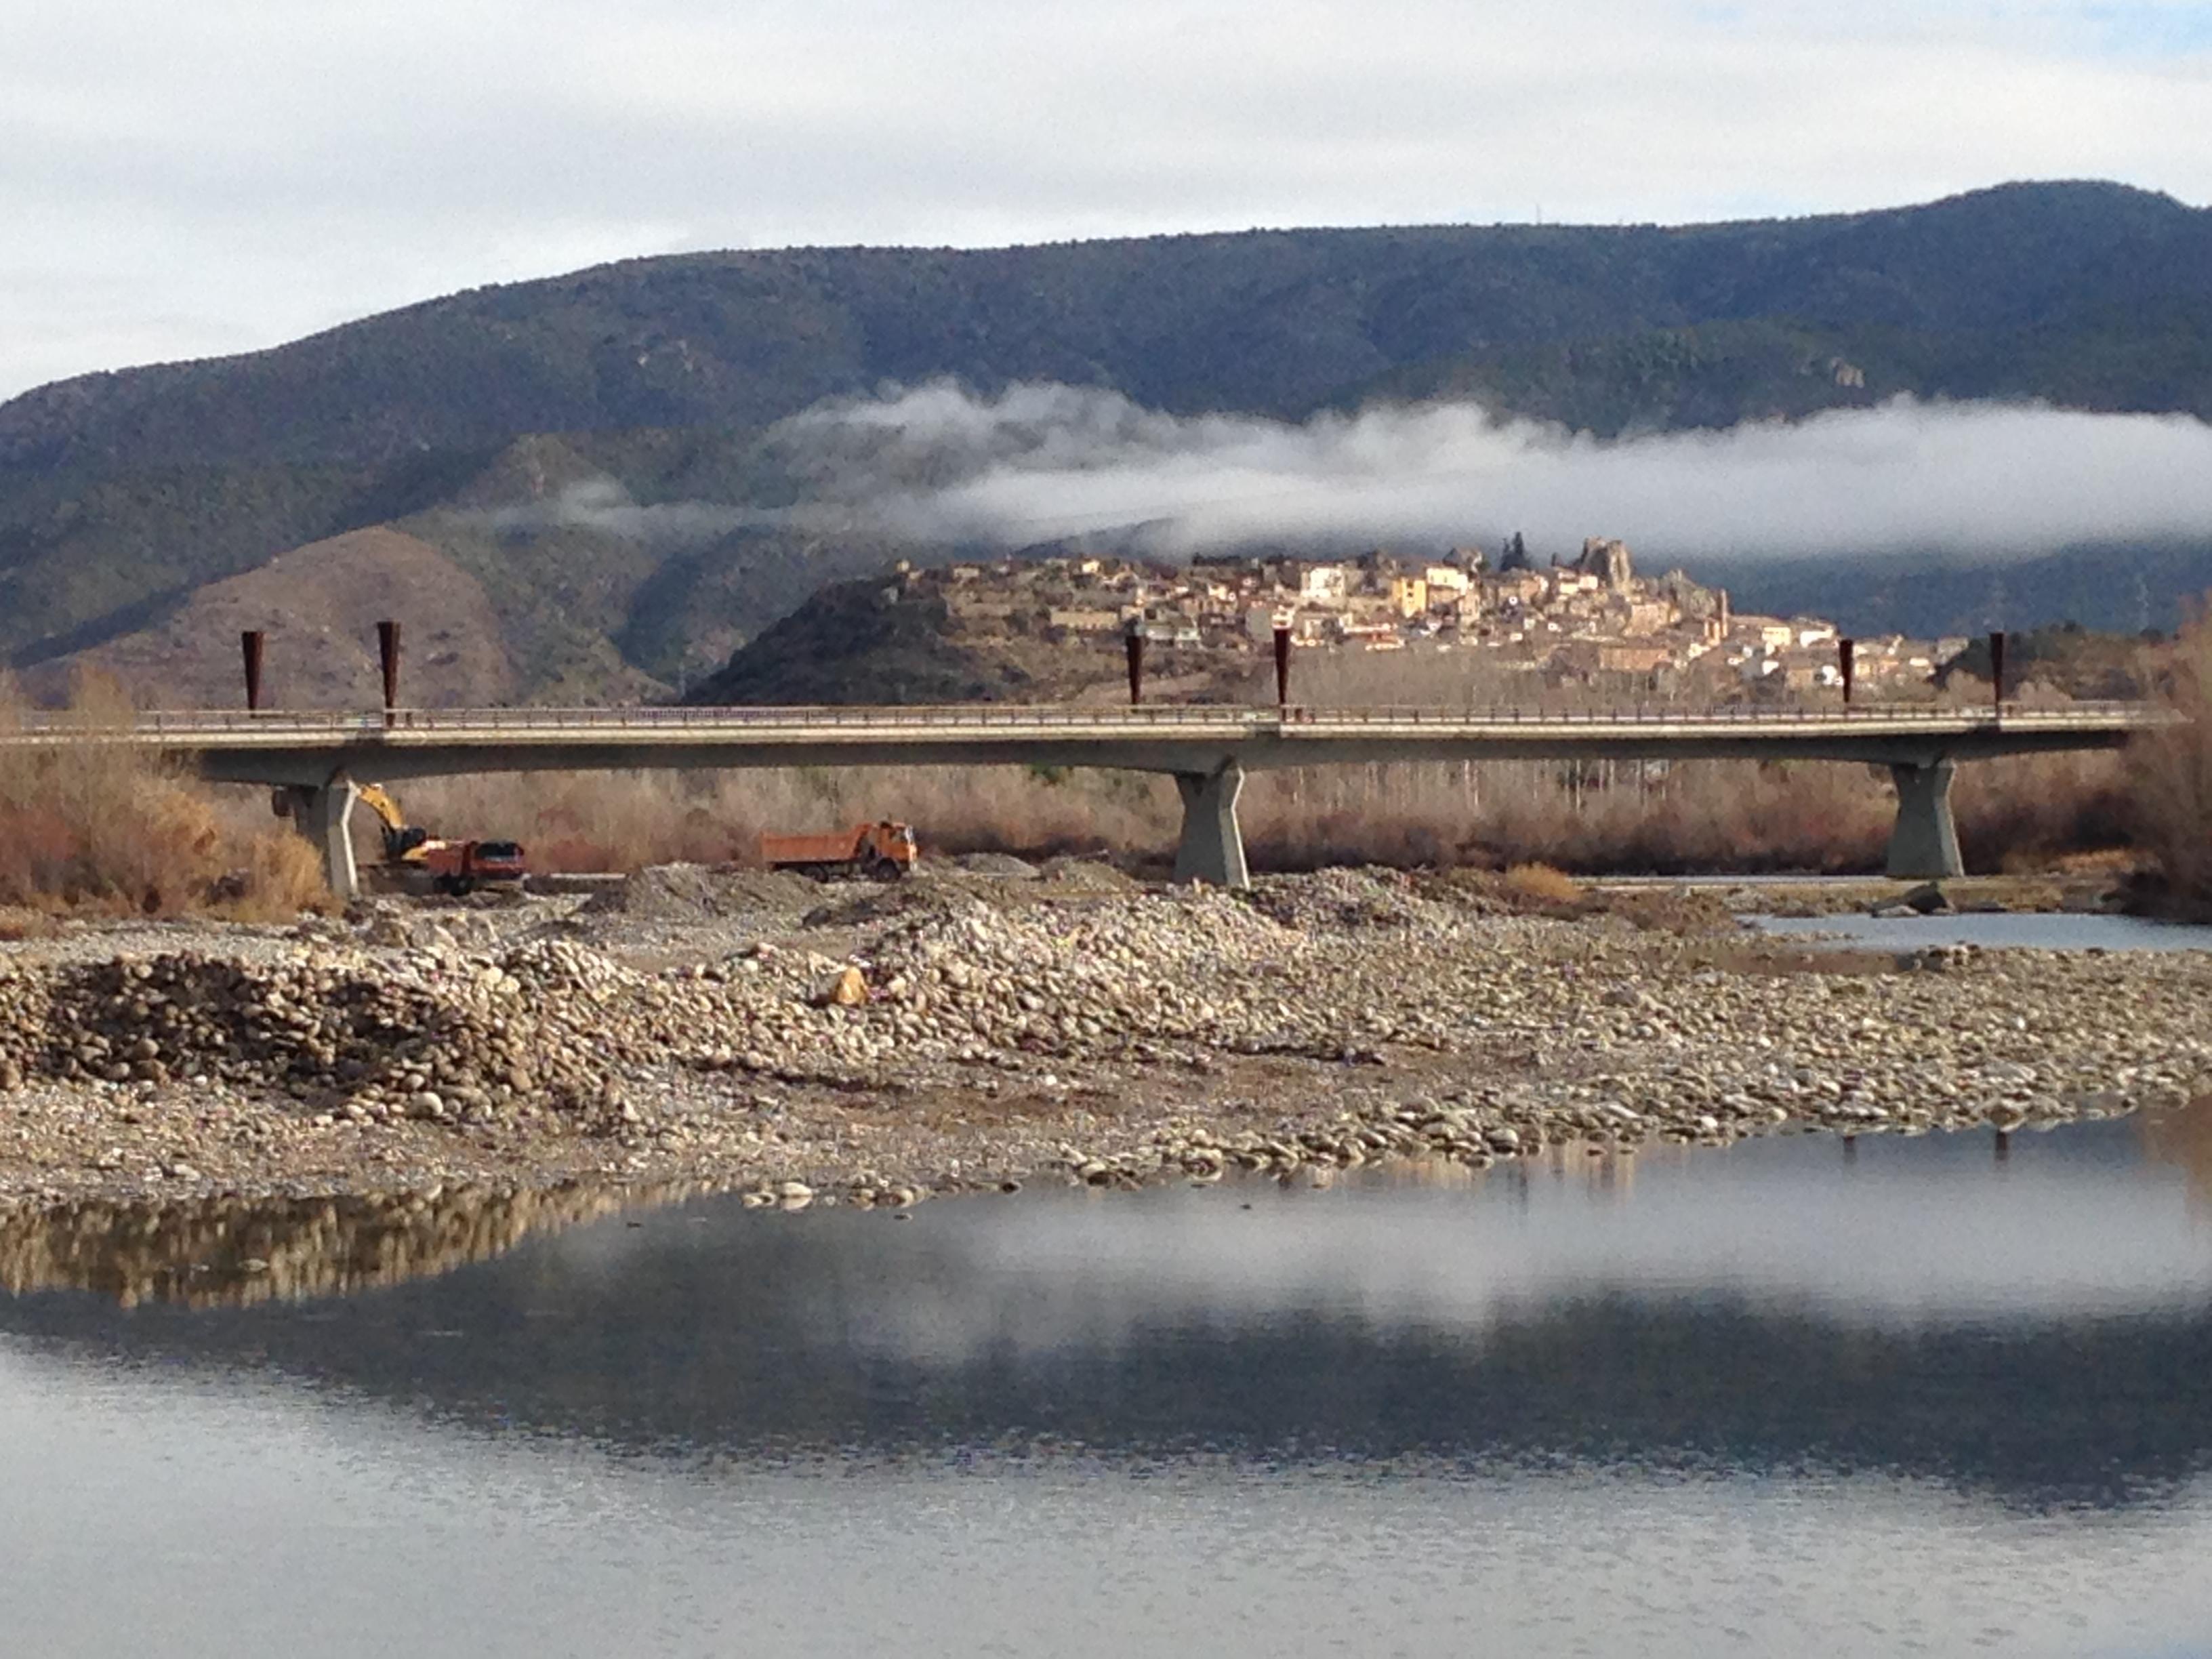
(1211, 849)
(324, 816)
(1924, 845)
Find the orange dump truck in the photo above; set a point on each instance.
(462, 866)
(883, 851)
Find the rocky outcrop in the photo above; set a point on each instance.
(1606, 559)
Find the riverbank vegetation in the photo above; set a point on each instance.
(2021, 813)
(2169, 778)
(86, 827)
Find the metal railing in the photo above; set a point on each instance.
(183, 728)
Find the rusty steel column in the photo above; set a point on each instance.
(1282, 668)
(1845, 652)
(1136, 649)
(1996, 669)
(387, 649)
(250, 646)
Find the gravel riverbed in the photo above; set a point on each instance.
(856, 1044)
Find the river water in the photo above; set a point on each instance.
(2038, 930)
(1941, 1395)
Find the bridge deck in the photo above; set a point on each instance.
(1167, 738)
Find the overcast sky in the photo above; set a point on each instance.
(182, 180)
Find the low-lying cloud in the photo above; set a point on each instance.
(604, 507)
(1041, 462)
(937, 466)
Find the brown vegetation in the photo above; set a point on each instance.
(1592, 818)
(90, 826)
(2170, 776)
(1542, 884)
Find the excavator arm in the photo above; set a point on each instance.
(400, 837)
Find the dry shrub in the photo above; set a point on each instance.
(2169, 775)
(2034, 811)
(92, 823)
(1588, 817)
(279, 875)
(1585, 817)
(18, 924)
(1541, 883)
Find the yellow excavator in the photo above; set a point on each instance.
(453, 866)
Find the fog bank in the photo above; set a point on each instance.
(1040, 462)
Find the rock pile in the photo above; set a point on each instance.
(426, 1034)
(695, 892)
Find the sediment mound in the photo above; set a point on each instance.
(1004, 865)
(1345, 899)
(697, 892)
(426, 1034)
(1086, 876)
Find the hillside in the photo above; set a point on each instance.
(320, 605)
(646, 390)
(907, 637)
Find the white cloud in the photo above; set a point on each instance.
(605, 508)
(1044, 462)
(242, 170)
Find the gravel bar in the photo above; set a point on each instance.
(805, 1044)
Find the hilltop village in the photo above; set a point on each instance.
(1591, 621)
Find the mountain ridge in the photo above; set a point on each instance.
(124, 492)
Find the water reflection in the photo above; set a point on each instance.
(2032, 930)
(228, 1252)
(2040, 1331)
(2183, 1140)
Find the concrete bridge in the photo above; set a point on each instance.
(318, 758)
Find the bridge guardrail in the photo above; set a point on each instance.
(184, 725)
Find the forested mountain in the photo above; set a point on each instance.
(655, 380)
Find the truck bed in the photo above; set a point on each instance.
(834, 848)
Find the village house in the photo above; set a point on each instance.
(1769, 633)
(1082, 620)
(1365, 633)
(1409, 596)
(1324, 583)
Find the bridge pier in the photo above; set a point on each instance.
(1211, 849)
(324, 815)
(1924, 845)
